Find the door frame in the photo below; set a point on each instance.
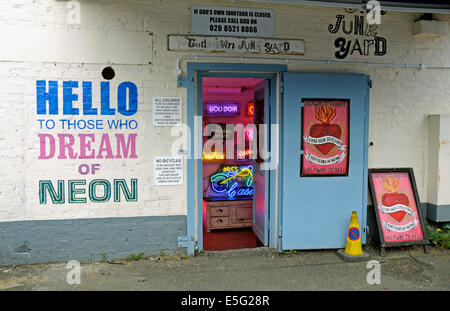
(195, 72)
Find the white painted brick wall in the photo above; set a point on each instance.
(400, 98)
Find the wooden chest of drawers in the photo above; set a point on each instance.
(228, 214)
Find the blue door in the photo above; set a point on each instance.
(316, 208)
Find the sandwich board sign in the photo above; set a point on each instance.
(397, 208)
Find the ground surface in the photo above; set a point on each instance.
(255, 269)
(230, 239)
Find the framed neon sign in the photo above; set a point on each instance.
(233, 182)
(223, 109)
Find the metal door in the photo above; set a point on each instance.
(315, 211)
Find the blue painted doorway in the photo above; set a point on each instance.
(315, 210)
(263, 225)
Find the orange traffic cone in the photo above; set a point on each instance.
(353, 248)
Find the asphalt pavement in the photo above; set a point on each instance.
(260, 269)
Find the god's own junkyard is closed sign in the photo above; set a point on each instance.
(229, 21)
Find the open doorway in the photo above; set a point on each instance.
(234, 185)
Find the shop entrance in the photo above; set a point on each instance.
(234, 196)
(259, 82)
(304, 201)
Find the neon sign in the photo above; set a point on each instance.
(243, 154)
(222, 109)
(249, 133)
(234, 181)
(250, 109)
(214, 155)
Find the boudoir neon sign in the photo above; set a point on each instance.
(234, 181)
(222, 109)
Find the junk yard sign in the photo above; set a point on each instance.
(356, 37)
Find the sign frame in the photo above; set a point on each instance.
(235, 44)
(178, 160)
(165, 100)
(302, 143)
(216, 21)
(239, 188)
(409, 171)
(223, 104)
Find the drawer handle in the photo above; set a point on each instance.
(220, 210)
(219, 221)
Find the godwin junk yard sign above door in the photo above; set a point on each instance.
(235, 45)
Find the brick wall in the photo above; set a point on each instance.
(400, 99)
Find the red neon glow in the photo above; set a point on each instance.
(204, 215)
(249, 133)
(247, 153)
(250, 109)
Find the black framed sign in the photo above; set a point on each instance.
(397, 207)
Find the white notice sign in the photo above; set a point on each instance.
(168, 171)
(167, 111)
(231, 21)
